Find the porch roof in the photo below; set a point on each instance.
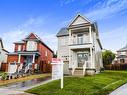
(25, 53)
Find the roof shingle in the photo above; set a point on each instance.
(63, 32)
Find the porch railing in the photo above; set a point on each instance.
(73, 67)
(88, 64)
(28, 67)
(20, 67)
(77, 41)
(84, 67)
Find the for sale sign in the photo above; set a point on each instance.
(57, 70)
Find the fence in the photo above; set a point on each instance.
(116, 66)
(3, 66)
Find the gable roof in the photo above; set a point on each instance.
(33, 36)
(123, 49)
(63, 32)
(80, 18)
(1, 42)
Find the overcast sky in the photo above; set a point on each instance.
(45, 18)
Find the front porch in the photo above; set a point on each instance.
(24, 63)
(28, 61)
(81, 62)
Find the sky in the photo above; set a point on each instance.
(18, 18)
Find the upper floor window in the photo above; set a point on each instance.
(19, 47)
(31, 46)
(122, 53)
(80, 39)
(63, 42)
(46, 53)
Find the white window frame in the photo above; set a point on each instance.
(46, 53)
(63, 42)
(19, 47)
(31, 46)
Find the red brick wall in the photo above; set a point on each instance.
(42, 49)
(45, 59)
(12, 58)
(23, 47)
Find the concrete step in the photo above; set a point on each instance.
(78, 72)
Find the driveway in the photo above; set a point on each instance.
(120, 91)
(19, 87)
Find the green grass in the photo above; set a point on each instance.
(100, 84)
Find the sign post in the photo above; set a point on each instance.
(57, 70)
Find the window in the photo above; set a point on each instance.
(19, 47)
(46, 53)
(80, 38)
(31, 46)
(63, 42)
(122, 53)
(122, 61)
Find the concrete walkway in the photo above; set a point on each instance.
(120, 91)
(4, 91)
(15, 90)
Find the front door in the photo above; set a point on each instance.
(81, 58)
(29, 59)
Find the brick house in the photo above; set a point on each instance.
(30, 53)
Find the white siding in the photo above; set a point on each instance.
(63, 49)
(79, 20)
(98, 54)
(3, 55)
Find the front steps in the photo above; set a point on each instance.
(78, 72)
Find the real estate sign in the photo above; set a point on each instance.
(57, 70)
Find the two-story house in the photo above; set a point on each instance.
(79, 47)
(30, 53)
(122, 55)
(3, 53)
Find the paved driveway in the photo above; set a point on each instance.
(20, 87)
(120, 91)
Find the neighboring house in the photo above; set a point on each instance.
(80, 48)
(122, 55)
(30, 54)
(3, 53)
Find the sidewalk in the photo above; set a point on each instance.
(120, 91)
(12, 92)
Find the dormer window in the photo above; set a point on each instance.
(19, 47)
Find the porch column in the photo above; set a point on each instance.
(70, 37)
(91, 58)
(33, 58)
(70, 58)
(70, 49)
(19, 58)
(90, 34)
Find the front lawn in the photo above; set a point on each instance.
(100, 84)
